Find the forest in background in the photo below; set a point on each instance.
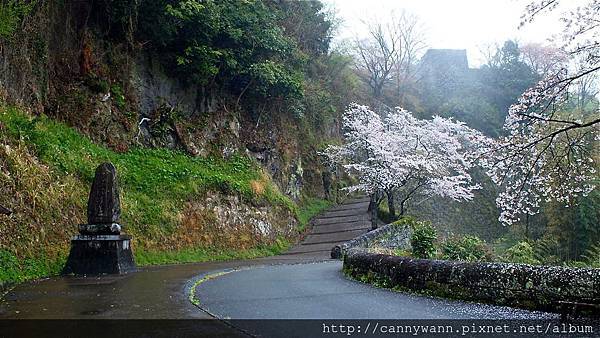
(481, 98)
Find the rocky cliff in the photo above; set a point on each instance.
(65, 64)
(61, 62)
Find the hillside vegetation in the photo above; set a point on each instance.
(225, 166)
(46, 169)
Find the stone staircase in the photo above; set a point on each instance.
(338, 224)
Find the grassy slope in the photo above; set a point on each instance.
(45, 172)
(310, 207)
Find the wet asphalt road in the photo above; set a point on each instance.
(302, 283)
(161, 292)
(320, 290)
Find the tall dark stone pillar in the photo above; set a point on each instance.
(100, 248)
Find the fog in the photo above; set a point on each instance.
(462, 24)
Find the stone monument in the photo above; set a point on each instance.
(100, 248)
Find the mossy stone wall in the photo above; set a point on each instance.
(519, 285)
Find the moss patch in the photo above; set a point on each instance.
(192, 296)
(310, 207)
(203, 254)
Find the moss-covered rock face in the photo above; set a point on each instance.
(227, 221)
(519, 285)
(64, 61)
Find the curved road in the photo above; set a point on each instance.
(320, 290)
(162, 291)
(302, 283)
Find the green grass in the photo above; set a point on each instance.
(155, 181)
(308, 208)
(190, 255)
(15, 271)
(12, 13)
(150, 171)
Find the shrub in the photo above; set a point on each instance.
(521, 252)
(10, 266)
(406, 221)
(274, 79)
(545, 251)
(466, 248)
(422, 239)
(118, 96)
(238, 44)
(592, 256)
(12, 13)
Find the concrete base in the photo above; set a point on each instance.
(100, 229)
(100, 254)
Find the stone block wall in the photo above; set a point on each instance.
(519, 285)
(387, 236)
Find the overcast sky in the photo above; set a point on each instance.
(459, 24)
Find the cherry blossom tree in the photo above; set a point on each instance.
(543, 59)
(548, 153)
(400, 156)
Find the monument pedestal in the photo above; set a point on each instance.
(100, 254)
(100, 248)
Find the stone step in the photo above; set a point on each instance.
(341, 227)
(333, 236)
(336, 225)
(358, 205)
(364, 228)
(366, 199)
(308, 254)
(342, 213)
(342, 219)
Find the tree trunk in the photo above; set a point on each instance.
(402, 208)
(373, 206)
(527, 227)
(378, 90)
(374, 215)
(391, 205)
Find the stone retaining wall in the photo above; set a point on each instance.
(520, 285)
(387, 236)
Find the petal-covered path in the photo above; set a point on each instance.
(319, 290)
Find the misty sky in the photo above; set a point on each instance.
(460, 24)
